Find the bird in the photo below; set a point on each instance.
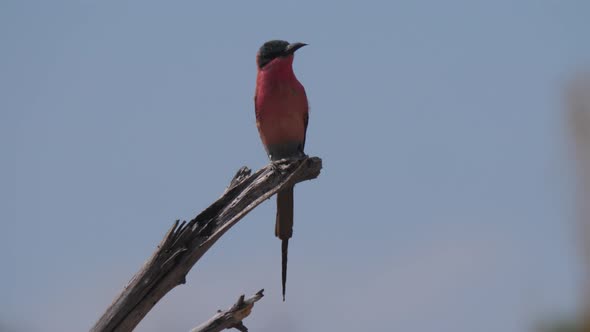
(282, 115)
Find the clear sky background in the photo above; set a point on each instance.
(446, 202)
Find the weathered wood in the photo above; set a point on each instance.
(185, 243)
(231, 318)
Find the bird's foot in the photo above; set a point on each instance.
(275, 166)
(282, 164)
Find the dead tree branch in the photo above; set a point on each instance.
(185, 243)
(231, 318)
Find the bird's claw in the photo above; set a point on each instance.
(281, 164)
(274, 166)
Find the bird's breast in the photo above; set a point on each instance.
(281, 109)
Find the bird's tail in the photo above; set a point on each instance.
(284, 227)
(284, 249)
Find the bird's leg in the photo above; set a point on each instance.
(275, 166)
(278, 165)
(282, 165)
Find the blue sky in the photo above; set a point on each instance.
(446, 202)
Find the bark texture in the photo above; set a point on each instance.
(185, 243)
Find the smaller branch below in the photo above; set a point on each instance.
(231, 318)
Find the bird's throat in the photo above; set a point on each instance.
(279, 69)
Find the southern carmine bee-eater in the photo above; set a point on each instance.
(281, 117)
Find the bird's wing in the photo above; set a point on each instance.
(256, 110)
(305, 121)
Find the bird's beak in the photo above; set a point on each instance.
(294, 47)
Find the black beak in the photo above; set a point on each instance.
(294, 47)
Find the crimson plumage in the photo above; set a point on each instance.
(281, 117)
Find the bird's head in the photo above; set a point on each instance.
(274, 49)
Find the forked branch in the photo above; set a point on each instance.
(185, 243)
